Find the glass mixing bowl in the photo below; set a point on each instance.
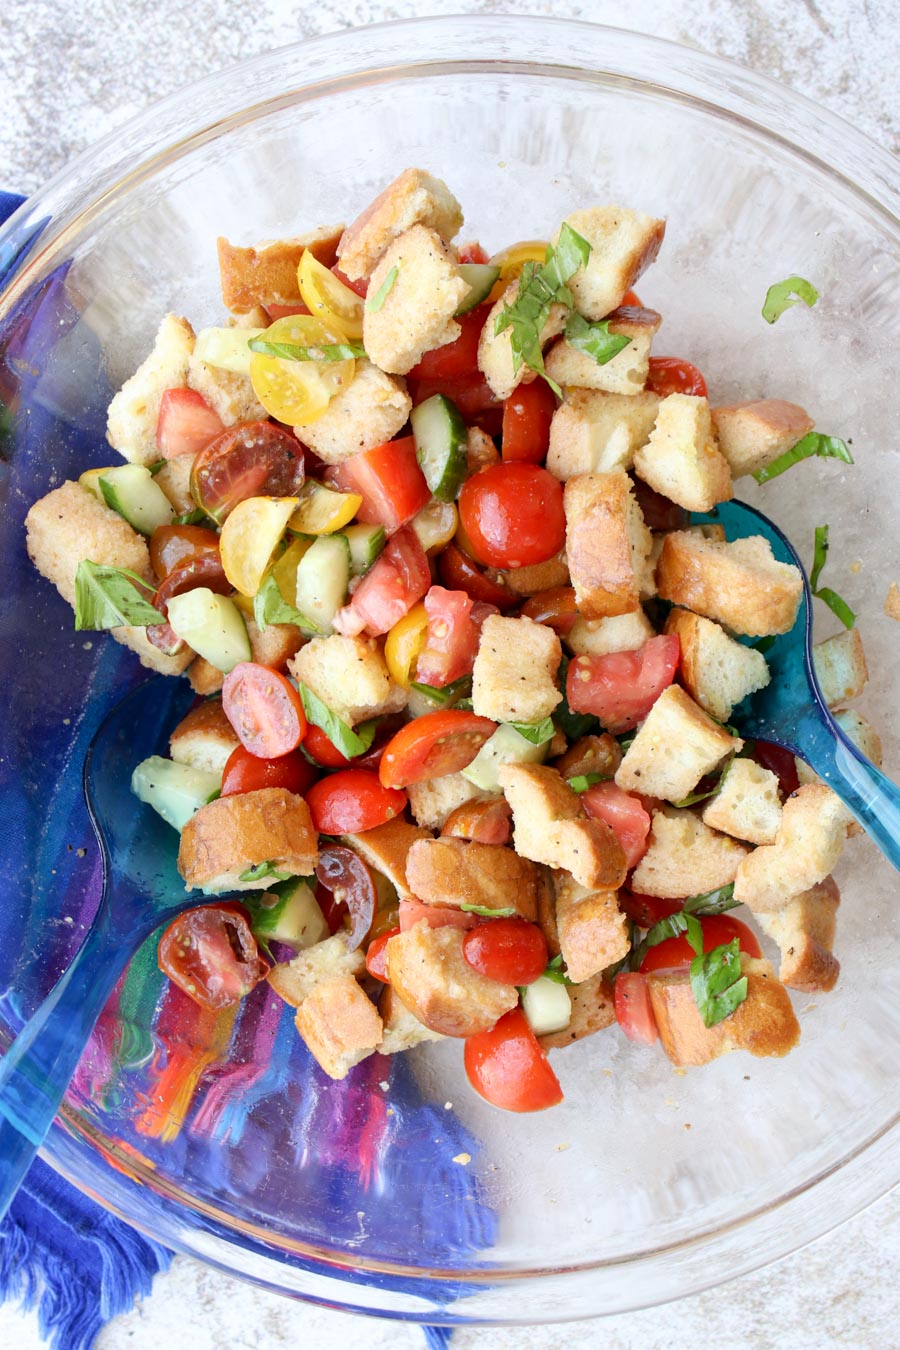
(399, 1191)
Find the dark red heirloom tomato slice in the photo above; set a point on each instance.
(625, 816)
(670, 375)
(780, 762)
(677, 953)
(246, 773)
(508, 1068)
(265, 710)
(621, 688)
(343, 873)
(526, 423)
(634, 1011)
(659, 513)
(511, 950)
(646, 910)
(436, 916)
(459, 572)
(376, 956)
(250, 460)
(202, 570)
(186, 423)
(172, 546)
(556, 608)
(434, 745)
(211, 954)
(513, 515)
(352, 800)
(388, 479)
(487, 822)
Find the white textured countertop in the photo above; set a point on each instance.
(69, 74)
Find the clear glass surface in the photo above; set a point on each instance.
(217, 1135)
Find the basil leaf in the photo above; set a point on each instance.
(717, 983)
(778, 297)
(764, 644)
(594, 339)
(270, 606)
(539, 289)
(374, 302)
(328, 351)
(837, 605)
(686, 921)
(814, 444)
(835, 602)
(554, 971)
(444, 696)
(535, 732)
(195, 517)
(506, 912)
(820, 554)
(712, 902)
(107, 597)
(626, 741)
(573, 725)
(582, 781)
(350, 743)
(156, 466)
(263, 869)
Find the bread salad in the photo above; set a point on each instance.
(416, 525)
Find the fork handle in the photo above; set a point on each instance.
(38, 1067)
(864, 790)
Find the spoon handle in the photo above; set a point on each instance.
(864, 789)
(37, 1069)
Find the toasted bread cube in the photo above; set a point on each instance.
(685, 857)
(428, 971)
(592, 930)
(867, 741)
(452, 872)
(840, 665)
(607, 544)
(535, 577)
(415, 198)
(593, 1009)
(350, 676)
(804, 929)
(416, 314)
(402, 1029)
(134, 412)
(753, 435)
(370, 411)
(149, 656)
(623, 244)
(227, 837)
(681, 459)
(626, 374)
(747, 805)
(514, 679)
(175, 480)
(594, 432)
(547, 911)
(266, 273)
(481, 452)
(675, 745)
(717, 671)
(739, 584)
(320, 964)
(272, 648)
(805, 851)
(433, 800)
(552, 827)
(892, 602)
(228, 393)
(495, 354)
(765, 1023)
(618, 633)
(339, 1024)
(386, 848)
(205, 738)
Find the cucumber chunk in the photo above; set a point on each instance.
(547, 1005)
(365, 542)
(213, 625)
(481, 277)
(289, 913)
(323, 576)
(506, 746)
(227, 348)
(440, 435)
(130, 490)
(175, 791)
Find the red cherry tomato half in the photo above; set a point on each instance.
(624, 814)
(459, 359)
(670, 375)
(487, 822)
(780, 762)
(634, 1011)
(376, 956)
(513, 515)
(346, 876)
(434, 745)
(646, 910)
(473, 253)
(360, 286)
(677, 953)
(527, 414)
(451, 638)
(202, 570)
(512, 950)
(508, 1068)
(265, 710)
(246, 773)
(473, 396)
(172, 546)
(388, 591)
(621, 688)
(325, 753)
(388, 479)
(436, 916)
(186, 423)
(353, 800)
(556, 608)
(211, 954)
(252, 459)
(458, 572)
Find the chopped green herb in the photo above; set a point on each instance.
(374, 302)
(329, 351)
(813, 445)
(835, 603)
(582, 781)
(554, 971)
(156, 466)
(350, 743)
(270, 606)
(195, 517)
(594, 339)
(535, 732)
(445, 696)
(717, 983)
(685, 921)
(108, 597)
(783, 295)
(626, 742)
(263, 869)
(764, 644)
(486, 913)
(539, 289)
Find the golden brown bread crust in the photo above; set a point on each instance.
(415, 197)
(232, 834)
(208, 721)
(295, 980)
(599, 544)
(738, 583)
(428, 971)
(551, 826)
(386, 848)
(593, 1009)
(764, 1024)
(339, 1024)
(804, 930)
(592, 929)
(267, 273)
(453, 872)
(547, 911)
(892, 602)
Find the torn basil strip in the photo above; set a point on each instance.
(717, 983)
(374, 302)
(270, 606)
(535, 732)
(506, 912)
(814, 444)
(326, 351)
(836, 603)
(782, 295)
(594, 339)
(539, 289)
(112, 597)
(350, 743)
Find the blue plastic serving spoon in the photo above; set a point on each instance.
(142, 887)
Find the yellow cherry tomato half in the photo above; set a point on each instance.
(322, 510)
(328, 299)
(403, 644)
(435, 525)
(511, 260)
(298, 392)
(249, 537)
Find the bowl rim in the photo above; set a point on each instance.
(560, 48)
